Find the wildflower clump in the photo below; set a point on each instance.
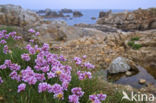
(39, 67)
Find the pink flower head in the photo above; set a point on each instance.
(25, 57)
(28, 76)
(65, 85)
(45, 68)
(3, 66)
(51, 75)
(37, 33)
(73, 98)
(7, 62)
(3, 42)
(84, 57)
(5, 49)
(42, 87)
(57, 88)
(14, 67)
(78, 60)
(101, 96)
(31, 30)
(32, 40)
(59, 95)
(1, 81)
(45, 47)
(40, 77)
(89, 65)
(15, 76)
(77, 91)
(21, 87)
(94, 99)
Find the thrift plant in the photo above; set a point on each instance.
(40, 68)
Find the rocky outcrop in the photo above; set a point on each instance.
(93, 18)
(118, 65)
(77, 14)
(53, 14)
(104, 28)
(15, 15)
(66, 10)
(141, 19)
(103, 49)
(104, 14)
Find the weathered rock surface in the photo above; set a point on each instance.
(15, 15)
(77, 14)
(141, 19)
(104, 28)
(119, 65)
(103, 49)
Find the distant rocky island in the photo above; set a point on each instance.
(127, 38)
(48, 13)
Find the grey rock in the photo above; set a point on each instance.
(118, 65)
(77, 14)
(17, 16)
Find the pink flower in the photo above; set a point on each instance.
(84, 57)
(94, 99)
(89, 65)
(42, 87)
(45, 69)
(21, 87)
(97, 98)
(77, 91)
(59, 95)
(5, 49)
(32, 40)
(31, 30)
(25, 57)
(73, 98)
(65, 85)
(51, 75)
(15, 76)
(40, 77)
(3, 42)
(37, 33)
(57, 88)
(15, 67)
(3, 66)
(1, 81)
(101, 96)
(84, 75)
(28, 76)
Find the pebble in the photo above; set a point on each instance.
(142, 81)
(128, 73)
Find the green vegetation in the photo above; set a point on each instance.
(135, 39)
(133, 44)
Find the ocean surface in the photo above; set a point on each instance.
(86, 18)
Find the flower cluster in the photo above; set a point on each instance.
(84, 75)
(77, 93)
(85, 65)
(4, 36)
(21, 87)
(97, 98)
(25, 57)
(47, 66)
(10, 65)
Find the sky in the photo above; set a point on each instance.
(82, 4)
